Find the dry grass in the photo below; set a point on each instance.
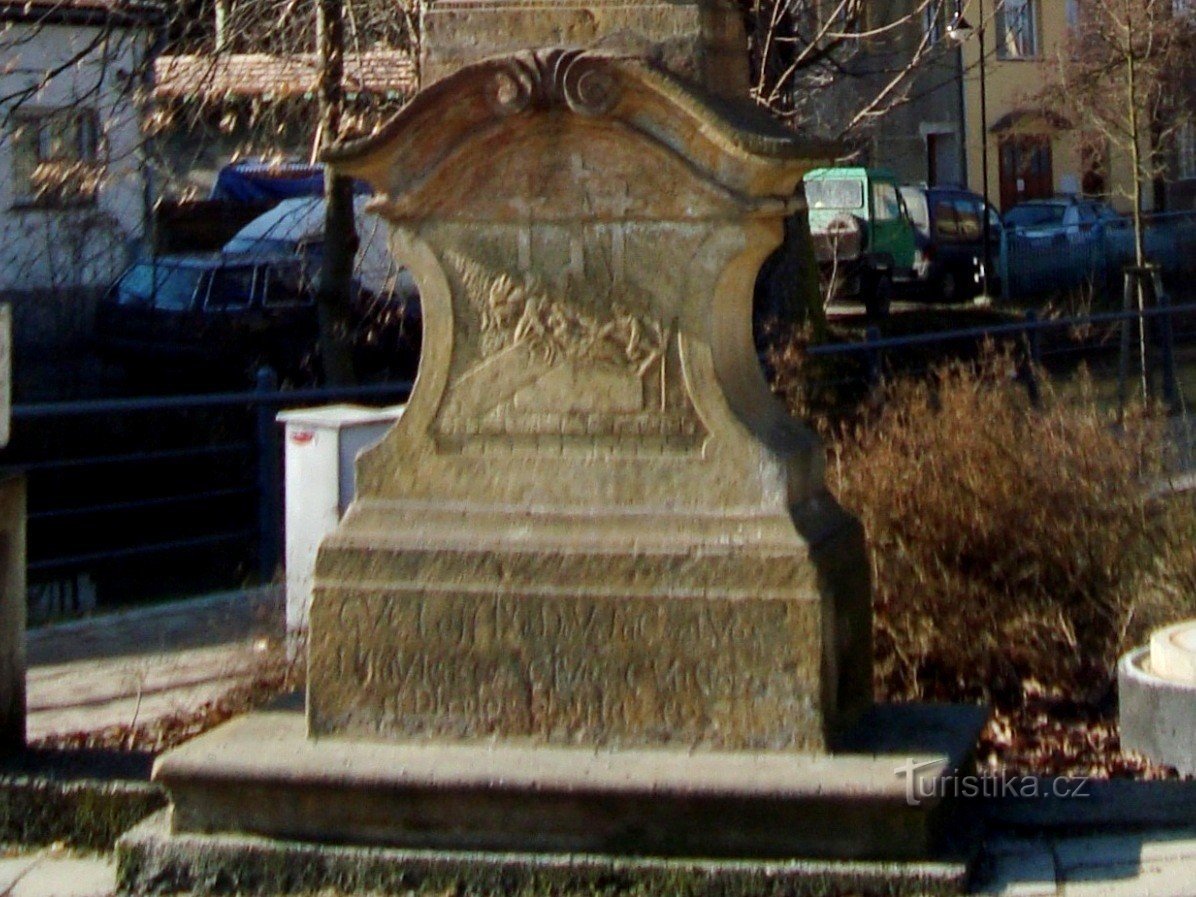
(1010, 542)
(1016, 551)
(1006, 539)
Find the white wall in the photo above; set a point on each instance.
(64, 249)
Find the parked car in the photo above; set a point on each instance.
(254, 303)
(221, 312)
(223, 315)
(950, 231)
(864, 239)
(297, 226)
(1064, 219)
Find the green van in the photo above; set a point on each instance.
(864, 239)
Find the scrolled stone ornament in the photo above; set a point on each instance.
(512, 88)
(588, 89)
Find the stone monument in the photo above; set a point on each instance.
(592, 595)
(594, 526)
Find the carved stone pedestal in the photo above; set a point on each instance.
(593, 525)
(592, 594)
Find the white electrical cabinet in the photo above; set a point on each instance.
(322, 445)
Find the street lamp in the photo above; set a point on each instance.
(959, 31)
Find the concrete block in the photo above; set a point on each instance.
(1158, 715)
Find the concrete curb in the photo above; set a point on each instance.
(1103, 806)
(88, 813)
(151, 860)
(264, 597)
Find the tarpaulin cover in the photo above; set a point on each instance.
(254, 181)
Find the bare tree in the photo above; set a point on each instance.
(861, 55)
(1123, 74)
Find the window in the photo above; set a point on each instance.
(834, 194)
(971, 225)
(232, 289)
(164, 286)
(55, 157)
(284, 285)
(918, 207)
(1073, 15)
(1093, 165)
(935, 20)
(886, 206)
(946, 225)
(1017, 29)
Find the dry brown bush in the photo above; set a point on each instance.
(1006, 539)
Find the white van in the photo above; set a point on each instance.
(297, 225)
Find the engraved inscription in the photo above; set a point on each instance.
(558, 669)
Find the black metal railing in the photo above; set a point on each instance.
(153, 495)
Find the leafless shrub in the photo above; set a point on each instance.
(1006, 540)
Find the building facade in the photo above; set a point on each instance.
(1034, 152)
(922, 137)
(74, 196)
(892, 92)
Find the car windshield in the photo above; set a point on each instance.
(170, 287)
(835, 193)
(1032, 216)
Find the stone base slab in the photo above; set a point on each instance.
(152, 859)
(261, 775)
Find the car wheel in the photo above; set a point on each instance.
(948, 287)
(879, 297)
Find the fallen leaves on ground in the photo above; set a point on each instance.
(1048, 736)
(274, 676)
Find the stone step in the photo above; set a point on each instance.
(262, 775)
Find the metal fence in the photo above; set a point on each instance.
(156, 497)
(146, 498)
(1088, 261)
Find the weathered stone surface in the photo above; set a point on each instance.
(153, 859)
(261, 774)
(702, 40)
(593, 524)
(655, 669)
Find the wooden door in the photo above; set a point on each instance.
(1026, 169)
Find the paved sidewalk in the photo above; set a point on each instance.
(51, 872)
(1142, 864)
(143, 664)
